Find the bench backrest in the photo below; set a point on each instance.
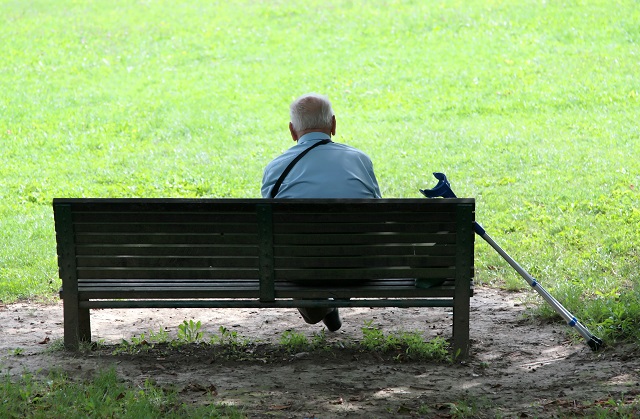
(269, 240)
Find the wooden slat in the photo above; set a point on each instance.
(281, 274)
(169, 250)
(167, 262)
(361, 273)
(249, 289)
(364, 262)
(239, 282)
(170, 285)
(192, 217)
(165, 273)
(341, 217)
(364, 206)
(168, 294)
(362, 227)
(355, 217)
(146, 239)
(357, 239)
(401, 302)
(166, 228)
(381, 249)
(234, 205)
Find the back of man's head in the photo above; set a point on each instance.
(311, 111)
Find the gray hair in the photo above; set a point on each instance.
(311, 111)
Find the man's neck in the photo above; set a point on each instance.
(324, 131)
(313, 135)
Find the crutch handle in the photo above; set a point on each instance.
(442, 189)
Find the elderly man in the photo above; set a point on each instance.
(316, 167)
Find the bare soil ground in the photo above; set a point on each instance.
(518, 368)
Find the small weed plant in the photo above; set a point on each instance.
(56, 345)
(161, 336)
(297, 342)
(294, 342)
(190, 332)
(230, 338)
(143, 342)
(464, 409)
(628, 406)
(409, 345)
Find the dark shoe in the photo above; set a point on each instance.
(332, 321)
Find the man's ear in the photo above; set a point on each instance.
(333, 125)
(293, 132)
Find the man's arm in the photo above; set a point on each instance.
(267, 183)
(374, 183)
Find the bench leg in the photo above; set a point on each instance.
(77, 325)
(84, 325)
(461, 327)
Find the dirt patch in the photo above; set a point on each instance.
(518, 368)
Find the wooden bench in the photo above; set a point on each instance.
(263, 253)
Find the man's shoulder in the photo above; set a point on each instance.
(276, 166)
(345, 146)
(350, 149)
(288, 154)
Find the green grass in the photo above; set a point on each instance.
(410, 345)
(401, 345)
(104, 396)
(530, 107)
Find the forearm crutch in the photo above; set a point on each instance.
(443, 189)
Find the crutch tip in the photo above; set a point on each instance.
(595, 343)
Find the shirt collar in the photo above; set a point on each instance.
(313, 136)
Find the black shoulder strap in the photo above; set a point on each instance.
(276, 187)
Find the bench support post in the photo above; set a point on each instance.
(265, 237)
(464, 263)
(76, 320)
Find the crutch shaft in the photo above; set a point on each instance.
(571, 320)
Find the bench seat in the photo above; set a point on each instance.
(204, 290)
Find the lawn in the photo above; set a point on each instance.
(529, 106)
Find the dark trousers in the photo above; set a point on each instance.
(313, 315)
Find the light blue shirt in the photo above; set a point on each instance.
(330, 170)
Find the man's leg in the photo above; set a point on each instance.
(329, 316)
(313, 315)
